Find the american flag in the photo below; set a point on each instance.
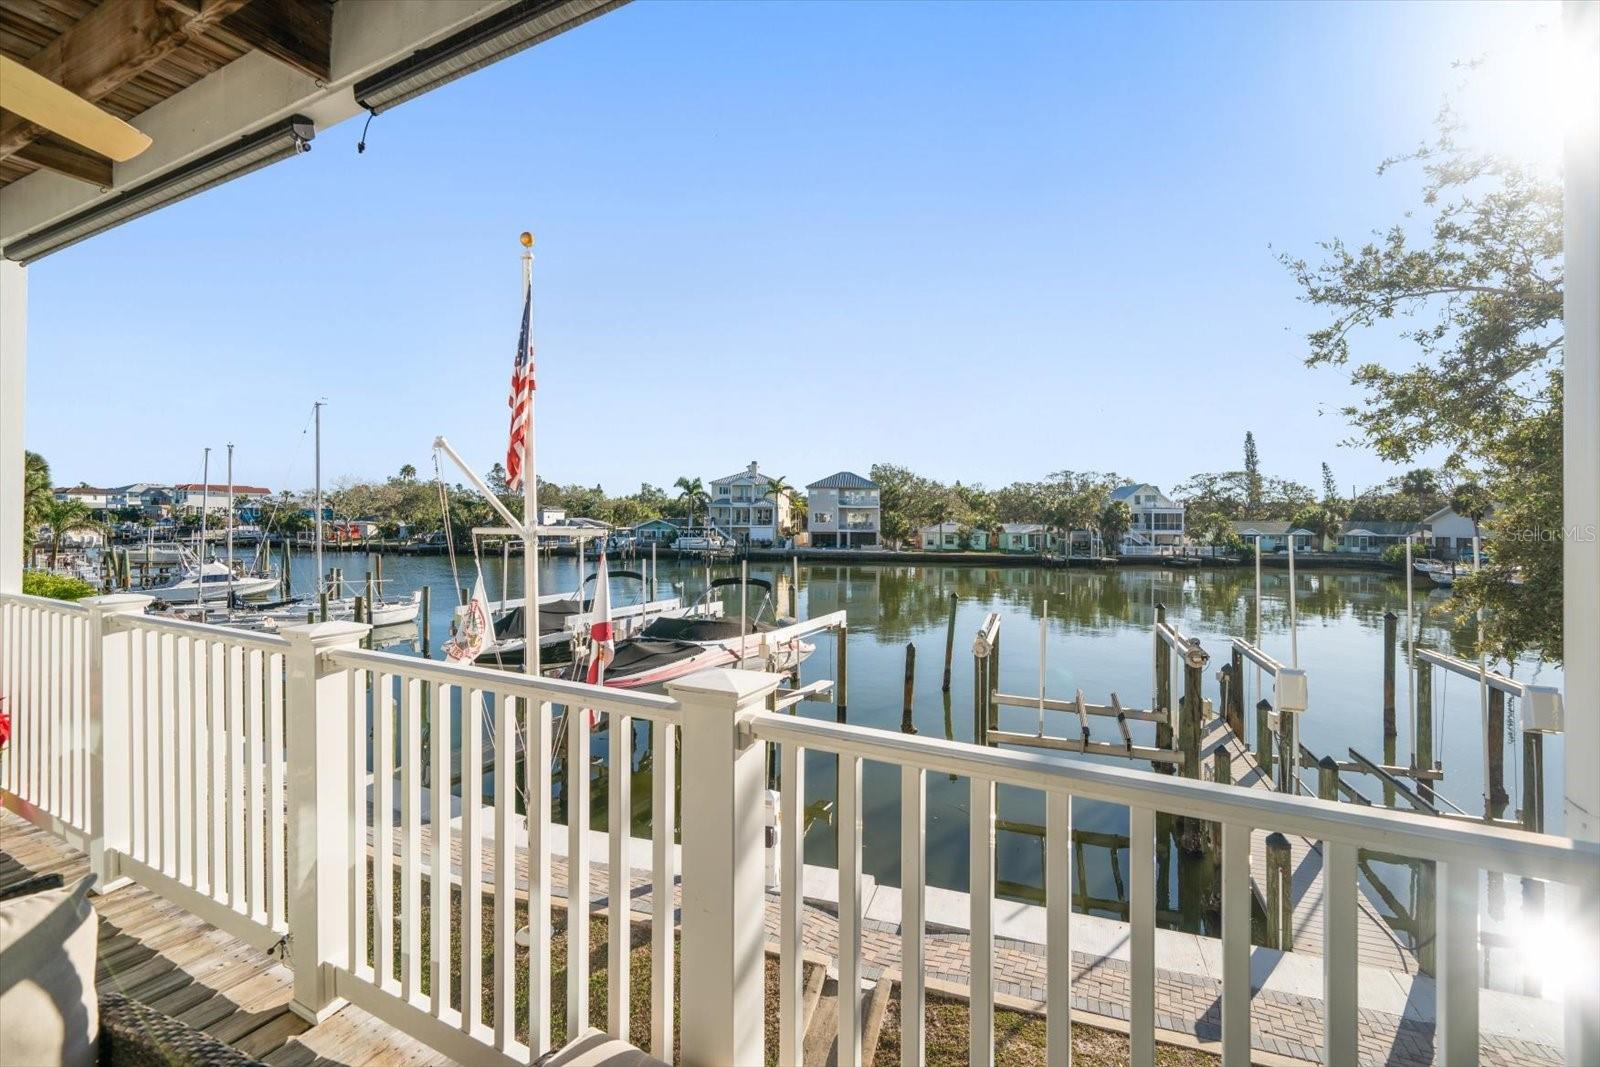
(521, 399)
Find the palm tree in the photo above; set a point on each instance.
(1470, 500)
(693, 495)
(37, 496)
(63, 517)
(777, 488)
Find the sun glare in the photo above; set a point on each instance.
(1509, 96)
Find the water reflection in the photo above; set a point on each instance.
(1098, 638)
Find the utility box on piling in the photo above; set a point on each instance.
(1289, 690)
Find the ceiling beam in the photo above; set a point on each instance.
(108, 47)
(63, 157)
(296, 32)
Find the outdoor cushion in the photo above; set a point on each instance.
(49, 1014)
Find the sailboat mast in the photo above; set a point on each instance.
(205, 506)
(230, 526)
(530, 490)
(318, 470)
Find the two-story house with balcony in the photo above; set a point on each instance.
(744, 507)
(842, 511)
(188, 498)
(1157, 519)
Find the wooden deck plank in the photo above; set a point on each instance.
(154, 951)
(1377, 945)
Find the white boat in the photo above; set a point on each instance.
(561, 616)
(672, 647)
(213, 580)
(398, 611)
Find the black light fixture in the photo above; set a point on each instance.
(251, 152)
(521, 25)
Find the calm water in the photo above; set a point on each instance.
(1098, 639)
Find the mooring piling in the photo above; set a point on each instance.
(841, 688)
(1495, 794)
(1390, 623)
(1422, 758)
(910, 689)
(1264, 736)
(1280, 894)
(427, 626)
(950, 641)
(1328, 779)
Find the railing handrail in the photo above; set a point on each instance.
(648, 706)
(66, 607)
(204, 630)
(1255, 655)
(1534, 855)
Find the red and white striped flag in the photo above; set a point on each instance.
(521, 399)
(602, 646)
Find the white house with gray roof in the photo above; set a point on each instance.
(842, 511)
(1157, 519)
(744, 507)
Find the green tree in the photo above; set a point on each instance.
(408, 473)
(1471, 501)
(64, 516)
(1115, 519)
(1479, 288)
(1330, 488)
(1252, 474)
(1323, 522)
(37, 496)
(692, 495)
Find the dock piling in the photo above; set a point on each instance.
(950, 641)
(1532, 813)
(427, 598)
(1264, 736)
(1280, 894)
(910, 689)
(841, 689)
(1422, 758)
(1328, 779)
(1496, 793)
(1163, 694)
(1390, 622)
(1224, 766)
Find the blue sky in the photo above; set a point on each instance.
(986, 242)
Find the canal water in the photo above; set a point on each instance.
(1098, 638)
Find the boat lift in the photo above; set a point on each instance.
(988, 698)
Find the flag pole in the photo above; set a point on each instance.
(530, 488)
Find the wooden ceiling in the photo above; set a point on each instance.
(129, 55)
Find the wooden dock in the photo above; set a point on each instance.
(1378, 944)
(154, 952)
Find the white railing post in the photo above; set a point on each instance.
(110, 735)
(319, 721)
(724, 898)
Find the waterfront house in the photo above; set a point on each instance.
(842, 511)
(952, 537)
(153, 500)
(744, 507)
(660, 531)
(1449, 534)
(188, 497)
(1157, 519)
(98, 501)
(1274, 535)
(1027, 537)
(1369, 537)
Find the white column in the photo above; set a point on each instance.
(13, 381)
(110, 649)
(724, 898)
(319, 719)
(1581, 499)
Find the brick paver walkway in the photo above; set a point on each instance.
(1187, 1003)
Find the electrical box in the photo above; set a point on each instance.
(1542, 709)
(1289, 690)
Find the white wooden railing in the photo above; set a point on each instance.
(44, 681)
(283, 788)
